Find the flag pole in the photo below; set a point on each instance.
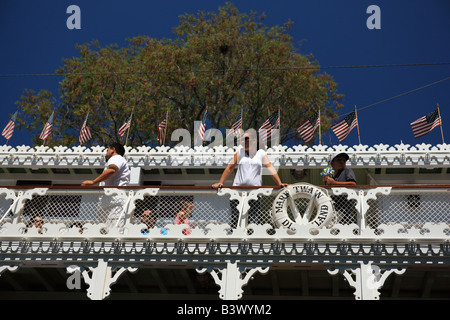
(440, 119)
(242, 116)
(167, 125)
(43, 144)
(204, 135)
(239, 140)
(357, 125)
(279, 127)
(128, 130)
(320, 133)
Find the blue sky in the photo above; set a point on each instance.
(35, 39)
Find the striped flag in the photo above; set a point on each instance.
(47, 128)
(306, 130)
(424, 125)
(273, 122)
(162, 131)
(236, 126)
(201, 130)
(85, 132)
(125, 126)
(9, 129)
(342, 128)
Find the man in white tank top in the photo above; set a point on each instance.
(250, 163)
(116, 173)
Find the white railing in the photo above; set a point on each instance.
(364, 211)
(419, 155)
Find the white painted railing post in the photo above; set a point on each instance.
(243, 199)
(361, 198)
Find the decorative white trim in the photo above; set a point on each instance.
(9, 268)
(231, 264)
(246, 249)
(379, 155)
(366, 280)
(101, 278)
(230, 280)
(243, 198)
(361, 198)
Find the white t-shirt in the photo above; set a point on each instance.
(121, 177)
(249, 171)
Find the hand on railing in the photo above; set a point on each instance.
(217, 186)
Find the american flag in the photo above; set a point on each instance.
(85, 132)
(306, 130)
(201, 130)
(236, 126)
(424, 125)
(124, 127)
(342, 128)
(271, 123)
(9, 129)
(162, 130)
(47, 128)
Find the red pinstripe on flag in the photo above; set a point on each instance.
(273, 122)
(162, 131)
(48, 128)
(236, 126)
(85, 132)
(424, 125)
(306, 130)
(124, 127)
(342, 128)
(201, 130)
(9, 129)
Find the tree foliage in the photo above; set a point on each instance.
(220, 61)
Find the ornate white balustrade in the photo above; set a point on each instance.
(380, 155)
(99, 233)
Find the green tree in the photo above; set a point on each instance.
(221, 62)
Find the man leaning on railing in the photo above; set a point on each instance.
(116, 173)
(249, 161)
(342, 176)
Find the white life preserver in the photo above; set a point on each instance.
(318, 199)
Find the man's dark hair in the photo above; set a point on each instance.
(119, 148)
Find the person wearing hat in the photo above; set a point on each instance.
(343, 176)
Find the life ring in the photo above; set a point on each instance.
(318, 213)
